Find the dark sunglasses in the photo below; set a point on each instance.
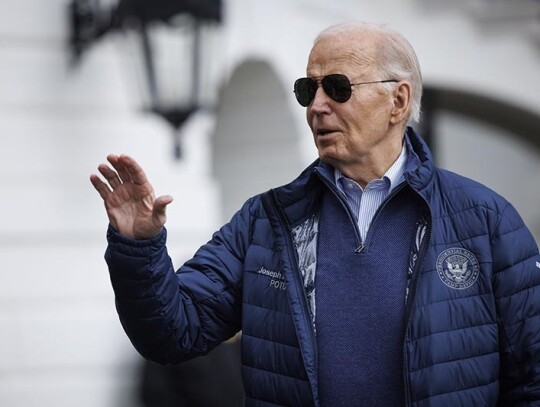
(336, 86)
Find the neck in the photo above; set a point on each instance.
(373, 165)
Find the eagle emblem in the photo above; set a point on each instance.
(458, 268)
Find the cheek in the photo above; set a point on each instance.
(309, 119)
(353, 121)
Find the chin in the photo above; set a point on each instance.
(330, 151)
(328, 158)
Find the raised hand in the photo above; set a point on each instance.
(129, 198)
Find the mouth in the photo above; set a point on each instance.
(324, 132)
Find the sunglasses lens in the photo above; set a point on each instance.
(337, 87)
(305, 89)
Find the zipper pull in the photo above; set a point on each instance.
(359, 248)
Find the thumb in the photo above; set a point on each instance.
(160, 206)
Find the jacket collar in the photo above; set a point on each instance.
(300, 198)
(419, 175)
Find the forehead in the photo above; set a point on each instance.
(342, 53)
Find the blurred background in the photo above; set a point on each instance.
(200, 93)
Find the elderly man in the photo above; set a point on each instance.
(373, 279)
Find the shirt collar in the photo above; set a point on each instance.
(393, 176)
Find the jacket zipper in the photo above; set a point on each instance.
(418, 266)
(410, 298)
(299, 285)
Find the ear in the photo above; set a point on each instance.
(401, 102)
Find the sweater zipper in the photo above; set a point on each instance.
(411, 296)
(377, 213)
(299, 285)
(345, 206)
(342, 200)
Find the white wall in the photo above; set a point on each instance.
(255, 144)
(492, 157)
(60, 341)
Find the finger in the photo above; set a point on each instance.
(160, 206)
(100, 186)
(120, 168)
(110, 175)
(135, 170)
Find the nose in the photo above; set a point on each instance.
(320, 103)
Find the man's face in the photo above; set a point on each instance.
(349, 133)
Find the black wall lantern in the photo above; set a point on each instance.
(176, 46)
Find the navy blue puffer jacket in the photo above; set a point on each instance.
(473, 307)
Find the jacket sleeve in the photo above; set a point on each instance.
(516, 279)
(172, 316)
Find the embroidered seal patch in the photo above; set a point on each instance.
(458, 268)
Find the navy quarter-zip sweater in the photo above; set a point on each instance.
(360, 301)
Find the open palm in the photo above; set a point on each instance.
(129, 198)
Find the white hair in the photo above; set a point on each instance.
(396, 57)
